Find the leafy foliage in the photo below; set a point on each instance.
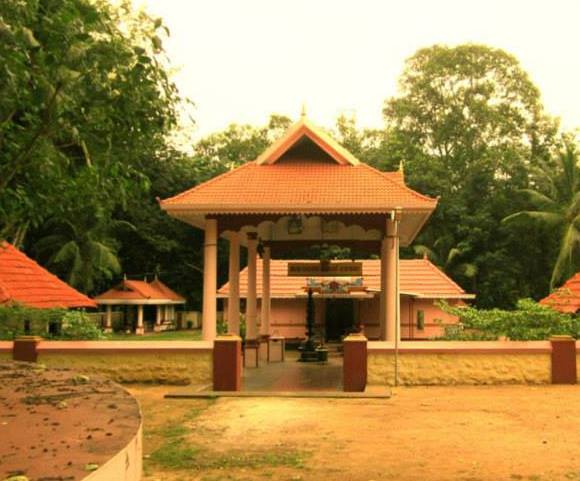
(529, 321)
(557, 207)
(77, 325)
(470, 127)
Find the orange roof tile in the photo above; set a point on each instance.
(25, 282)
(567, 297)
(284, 188)
(418, 277)
(130, 290)
(325, 178)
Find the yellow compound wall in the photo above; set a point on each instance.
(134, 362)
(455, 367)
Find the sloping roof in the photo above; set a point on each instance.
(304, 128)
(418, 277)
(567, 297)
(305, 182)
(134, 291)
(25, 282)
(284, 188)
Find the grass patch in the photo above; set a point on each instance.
(180, 454)
(183, 335)
(176, 452)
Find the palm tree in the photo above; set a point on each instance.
(557, 206)
(83, 251)
(449, 256)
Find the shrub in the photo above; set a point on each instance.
(529, 321)
(17, 320)
(77, 325)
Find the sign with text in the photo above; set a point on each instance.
(324, 268)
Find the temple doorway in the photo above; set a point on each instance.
(339, 318)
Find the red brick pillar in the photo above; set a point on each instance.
(227, 363)
(563, 360)
(24, 348)
(354, 368)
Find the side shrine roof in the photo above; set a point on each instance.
(140, 292)
(23, 281)
(567, 297)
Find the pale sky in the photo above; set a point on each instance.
(240, 60)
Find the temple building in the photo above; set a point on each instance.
(348, 304)
(304, 190)
(142, 304)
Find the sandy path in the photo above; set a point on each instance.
(431, 433)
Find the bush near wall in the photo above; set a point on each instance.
(530, 321)
(17, 320)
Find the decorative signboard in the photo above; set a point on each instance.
(335, 286)
(325, 268)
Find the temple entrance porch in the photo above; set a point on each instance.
(291, 375)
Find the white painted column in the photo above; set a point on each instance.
(209, 280)
(158, 317)
(392, 286)
(140, 328)
(383, 293)
(234, 281)
(266, 302)
(251, 302)
(108, 319)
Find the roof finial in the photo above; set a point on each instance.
(303, 112)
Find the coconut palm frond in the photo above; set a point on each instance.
(565, 261)
(547, 218)
(540, 200)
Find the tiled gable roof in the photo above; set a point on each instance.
(25, 282)
(140, 290)
(314, 187)
(567, 297)
(418, 277)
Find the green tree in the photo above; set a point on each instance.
(556, 203)
(469, 125)
(83, 251)
(85, 102)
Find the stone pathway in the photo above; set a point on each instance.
(292, 375)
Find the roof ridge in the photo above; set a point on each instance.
(135, 287)
(402, 184)
(208, 182)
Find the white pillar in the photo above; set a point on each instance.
(234, 281)
(140, 328)
(209, 280)
(108, 319)
(266, 302)
(383, 293)
(158, 317)
(251, 303)
(392, 287)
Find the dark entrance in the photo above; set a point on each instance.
(339, 318)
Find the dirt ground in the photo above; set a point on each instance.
(423, 433)
(56, 424)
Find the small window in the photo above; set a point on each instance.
(420, 320)
(54, 328)
(27, 327)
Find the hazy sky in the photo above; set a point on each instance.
(240, 60)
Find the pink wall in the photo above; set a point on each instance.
(288, 317)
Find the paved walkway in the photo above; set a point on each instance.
(292, 375)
